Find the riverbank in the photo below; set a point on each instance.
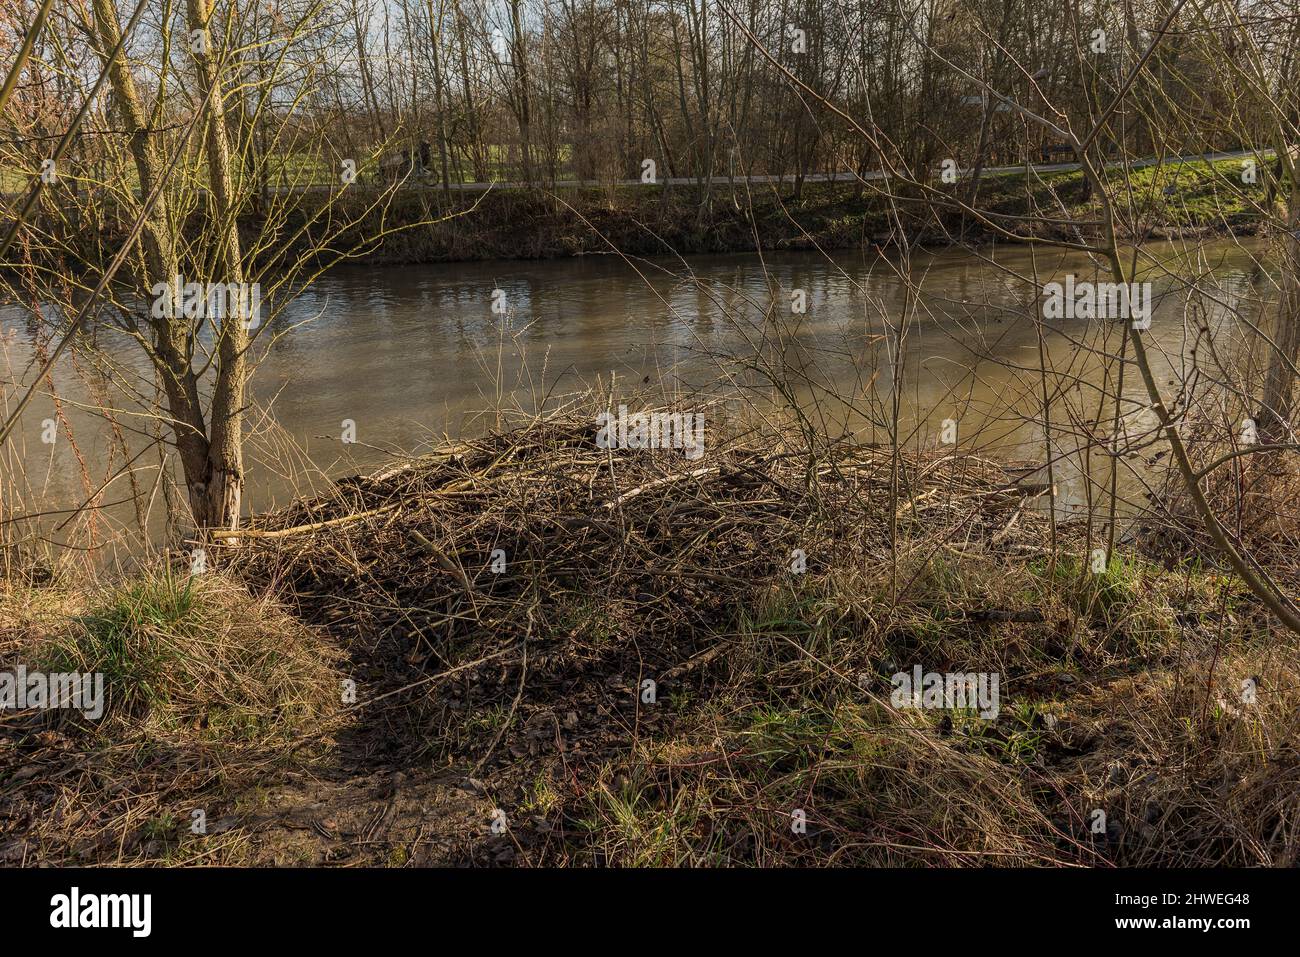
(425, 225)
(549, 653)
(1193, 199)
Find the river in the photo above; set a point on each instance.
(411, 354)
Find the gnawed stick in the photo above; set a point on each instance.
(658, 483)
(447, 565)
(300, 529)
(452, 488)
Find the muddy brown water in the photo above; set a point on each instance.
(410, 354)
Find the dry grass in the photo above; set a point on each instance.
(1102, 710)
(205, 687)
(1120, 692)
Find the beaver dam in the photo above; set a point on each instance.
(526, 649)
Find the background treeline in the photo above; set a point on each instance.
(549, 90)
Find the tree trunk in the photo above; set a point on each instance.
(171, 339)
(1274, 418)
(219, 498)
